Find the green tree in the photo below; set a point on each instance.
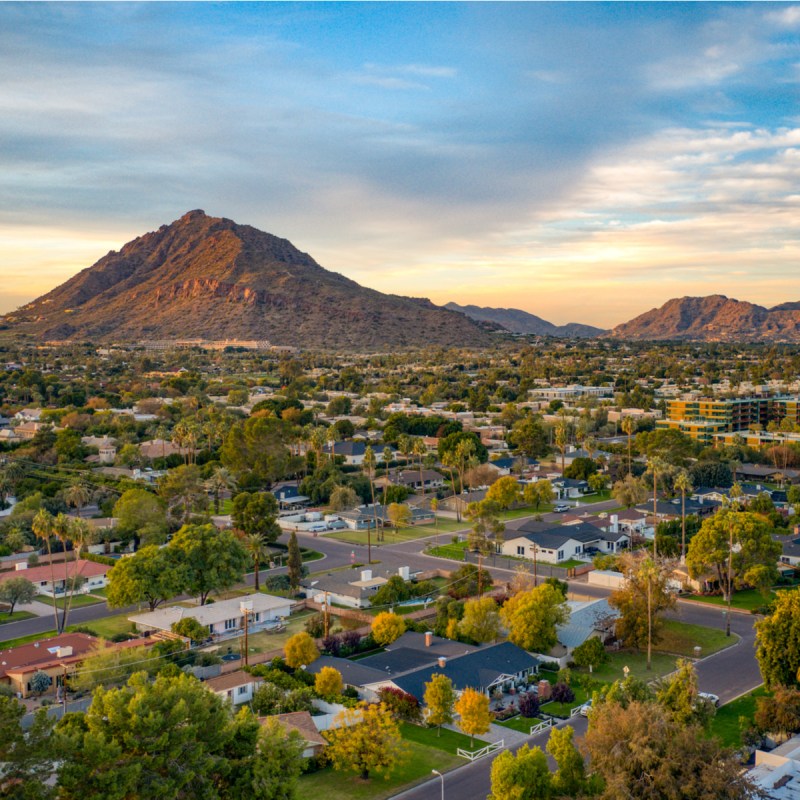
(257, 447)
(40, 682)
(168, 735)
(107, 666)
(538, 492)
(629, 492)
(294, 562)
(678, 695)
(151, 575)
(528, 437)
(182, 490)
(399, 515)
(300, 650)
(590, 654)
(256, 513)
(487, 528)
(737, 546)
(367, 740)
(141, 514)
(191, 629)
(533, 616)
(257, 551)
(219, 481)
(278, 762)
(28, 755)
(468, 580)
(523, 775)
(211, 560)
(387, 627)
(16, 590)
(778, 641)
(439, 699)
(481, 620)
(570, 777)
(343, 498)
(474, 715)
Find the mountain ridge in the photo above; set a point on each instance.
(209, 277)
(517, 321)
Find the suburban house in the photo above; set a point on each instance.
(411, 479)
(353, 588)
(106, 449)
(569, 488)
(289, 497)
(791, 548)
(364, 517)
(223, 618)
(303, 723)
(28, 415)
(407, 666)
(518, 465)
(49, 580)
(777, 772)
(563, 542)
(459, 502)
(52, 656)
(238, 687)
(352, 452)
(587, 619)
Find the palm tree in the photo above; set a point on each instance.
(63, 531)
(256, 548)
(419, 451)
(657, 467)
(628, 425)
(77, 495)
(221, 479)
(562, 437)
(370, 463)
(683, 483)
(42, 526)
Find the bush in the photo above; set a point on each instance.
(401, 705)
(315, 626)
(528, 705)
(109, 562)
(562, 693)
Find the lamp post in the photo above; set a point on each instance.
(441, 778)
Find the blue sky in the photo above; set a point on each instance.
(585, 162)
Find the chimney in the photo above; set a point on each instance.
(20, 565)
(366, 574)
(404, 573)
(63, 652)
(614, 523)
(428, 638)
(442, 662)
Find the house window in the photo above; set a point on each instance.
(241, 690)
(230, 624)
(520, 549)
(560, 555)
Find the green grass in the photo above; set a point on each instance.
(563, 709)
(452, 550)
(681, 638)
(17, 616)
(390, 536)
(78, 601)
(226, 507)
(746, 600)
(34, 637)
(662, 664)
(415, 769)
(446, 740)
(725, 725)
(520, 723)
(106, 627)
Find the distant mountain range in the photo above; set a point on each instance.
(516, 321)
(208, 277)
(715, 318)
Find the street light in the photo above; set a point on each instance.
(441, 778)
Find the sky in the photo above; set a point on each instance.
(584, 162)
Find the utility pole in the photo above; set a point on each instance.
(730, 583)
(480, 581)
(326, 615)
(64, 687)
(246, 644)
(535, 574)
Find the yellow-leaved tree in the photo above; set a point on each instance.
(439, 699)
(387, 627)
(328, 683)
(474, 714)
(300, 650)
(367, 739)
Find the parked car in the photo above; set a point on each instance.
(586, 708)
(709, 698)
(561, 507)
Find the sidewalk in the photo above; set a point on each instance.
(36, 607)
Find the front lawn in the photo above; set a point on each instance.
(680, 638)
(33, 637)
(745, 600)
(725, 724)
(519, 723)
(452, 550)
(332, 785)
(563, 709)
(78, 601)
(662, 664)
(17, 616)
(106, 627)
(446, 740)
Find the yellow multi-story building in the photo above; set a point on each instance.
(709, 419)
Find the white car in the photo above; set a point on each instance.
(586, 708)
(561, 507)
(709, 698)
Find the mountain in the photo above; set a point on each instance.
(516, 321)
(715, 318)
(208, 277)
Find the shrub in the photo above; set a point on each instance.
(401, 705)
(315, 626)
(562, 693)
(528, 705)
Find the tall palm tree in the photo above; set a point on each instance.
(419, 451)
(256, 548)
(370, 464)
(683, 483)
(77, 495)
(657, 467)
(42, 526)
(562, 436)
(221, 479)
(628, 425)
(63, 531)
